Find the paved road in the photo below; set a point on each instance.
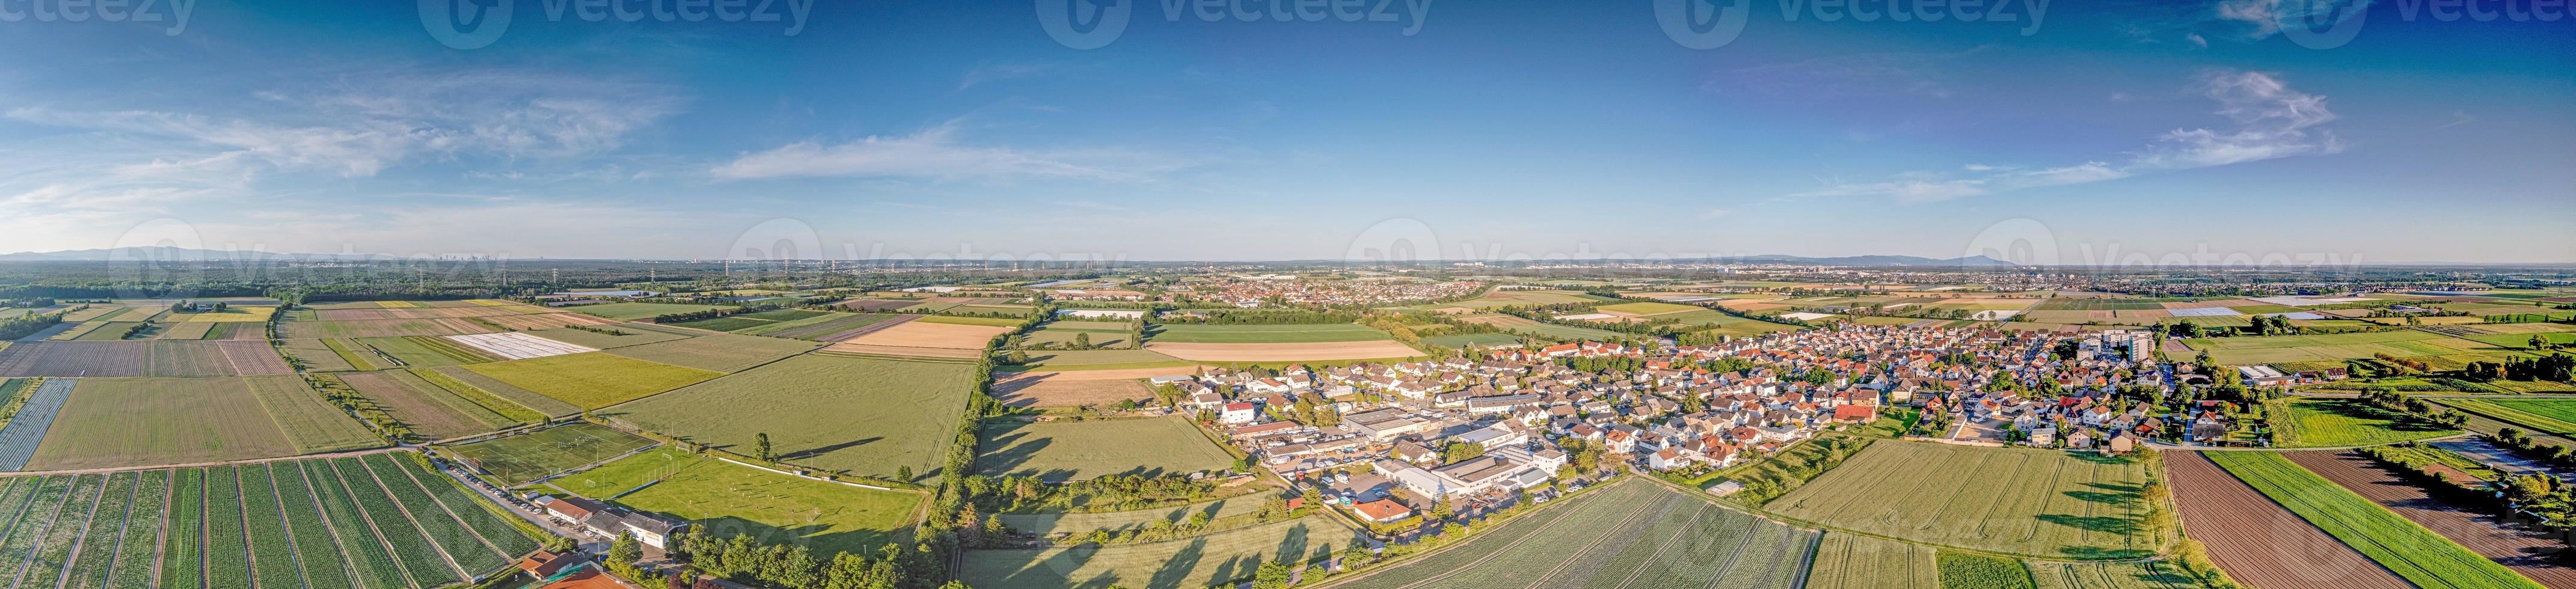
(2501, 459)
(18, 441)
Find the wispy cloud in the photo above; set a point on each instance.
(2271, 120)
(937, 152)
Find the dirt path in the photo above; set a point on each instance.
(2258, 542)
(2525, 551)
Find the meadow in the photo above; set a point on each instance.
(725, 499)
(1264, 334)
(1083, 450)
(2329, 423)
(2110, 575)
(1960, 570)
(2335, 347)
(1100, 334)
(719, 352)
(1197, 561)
(1646, 308)
(2554, 416)
(2414, 553)
(112, 422)
(518, 459)
(1625, 535)
(1119, 521)
(592, 380)
(866, 416)
(625, 335)
(543, 405)
(2041, 503)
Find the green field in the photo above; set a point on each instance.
(1960, 570)
(113, 422)
(1105, 334)
(2110, 575)
(2414, 553)
(1120, 521)
(2042, 503)
(424, 351)
(865, 416)
(1645, 308)
(1513, 298)
(719, 352)
(2554, 416)
(1099, 360)
(634, 311)
(984, 321)
(437, 410)
(2330, 423)
(1479, 339)
(1198, 561)
(816, 326)
(1265, 334)
(1845, 561)
(725, 499)
(518, 459)
(592, 380)
(2341, 346)
(633, 336)
(1084, 450)
(1635, 534)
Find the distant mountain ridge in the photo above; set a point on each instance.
(1969, 261)
(166, 253)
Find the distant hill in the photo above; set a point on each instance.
(1970, 261)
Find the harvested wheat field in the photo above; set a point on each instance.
(924, 334)
(2259, 543)
(1364, 350)
(1070, 388)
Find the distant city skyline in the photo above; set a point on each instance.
(2088, 134)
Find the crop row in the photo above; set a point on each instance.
(1769, 558)
(15, 507)
(2414, 553)
(97, 546)
(30, 526)
(144, 514)
(1703, 554)
(410, 544)
(183, 548)
(1654, 541)
(374, 566)
(54, 552)
(272, 553)
(477, 513)
(1589, 568)
(1459, 557)
(451, 535)
(1529, 562)
(314, 546)
(227, 556)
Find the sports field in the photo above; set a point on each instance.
(1084, 450)
(1633, 534)
(2414, 553)
(592, 380)
(725, 499)
(112, 422)
(518, 459)
(1264, 334)
(866, 416)
(1198, 561)
(2329, 423)
(2043, 503)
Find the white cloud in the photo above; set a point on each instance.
(2271, 121)
(935, 152)
(2260, 19)
(1716, 213)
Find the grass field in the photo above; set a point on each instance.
(592, 380)
(1550, 330)
(1198, 561)
(631, 336)
(1960, 570)
(1633, 534)
(634, 311)
(2555, 416)
(112, 422)
(2341, 346)
(1099, 360)
(423, 352)
(1265, 334)
(1644, 308)
(2110, 575)
(2414, 553)
(866, 416)
(1084, 450)
(1120, 521)
(1478, 339)
(725, 499)
(2044, 503)
(518, 459)
(432, 409)
(719, 353)
(1845, 561)
(2329, 423)
(748, 321)
(817, 326)
(1106, 334)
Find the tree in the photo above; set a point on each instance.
(760, 446)
(903, 473)
(1081, 340)
(1271, 575)
(622, 555)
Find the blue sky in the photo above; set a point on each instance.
(2110, 132)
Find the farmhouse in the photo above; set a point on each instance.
(608, 520)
